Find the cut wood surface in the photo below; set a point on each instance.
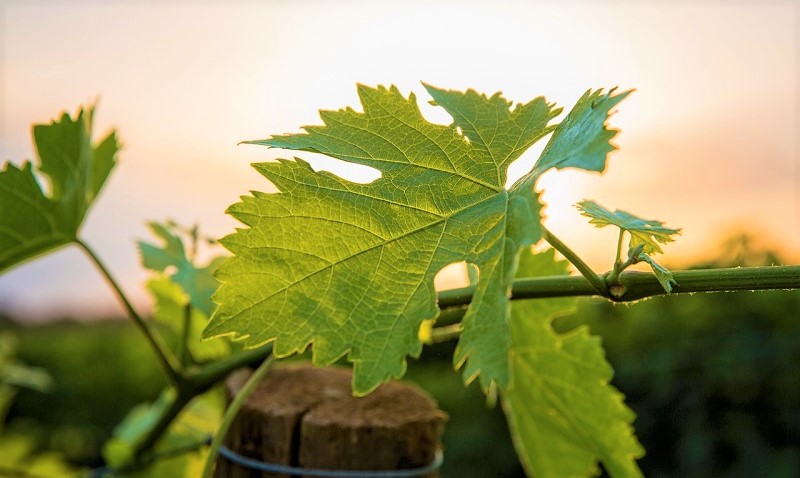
(307, 417)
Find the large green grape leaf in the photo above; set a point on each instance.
(349, 267)
(563, 414)
(32, 222)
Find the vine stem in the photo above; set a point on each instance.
(184, 356)
(637, 285)
(618, 260)
(195, 383)
(187, 385)
(583, 268)
(165, 358)
(445, 333)
(230, 414)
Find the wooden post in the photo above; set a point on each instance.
(307, 417)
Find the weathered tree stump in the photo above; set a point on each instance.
(307, 417)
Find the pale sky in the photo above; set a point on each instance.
(708, 142)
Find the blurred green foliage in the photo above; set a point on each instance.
(100, 371)
(713, 379)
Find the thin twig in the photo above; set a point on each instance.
(164, 356)
(618, 258)
(445, 333)
(230, 414)
(183, 345)
(575, 260)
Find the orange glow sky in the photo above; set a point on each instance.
(708, 142)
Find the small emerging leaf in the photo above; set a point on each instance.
(197, 282)
(31, 222)
(643, 232)
(170, 309)
(663, 274)
(119, 451)
(191, 428)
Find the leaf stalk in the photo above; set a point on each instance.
(231, 412)
(166, 360)
(595, 280)
(446, 333)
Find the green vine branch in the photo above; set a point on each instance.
(195, 383)
(187, 382)
(635, 286)
(166, 360)
(233, 410)
(628, 286)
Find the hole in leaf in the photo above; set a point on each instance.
(452, 276)
(356, 173)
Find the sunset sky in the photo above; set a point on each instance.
(709, 140)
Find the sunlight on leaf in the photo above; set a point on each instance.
(643, 232)
(563, 414)
(441, 198)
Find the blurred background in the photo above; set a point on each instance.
(709, 143)
(708, 140)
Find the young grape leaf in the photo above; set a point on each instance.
(643, 232)
(32, 222)
(119, 451)
(563, 414)
(664, 276)
(350, 267)
(170, 302)
(197, 282)
(191, 428)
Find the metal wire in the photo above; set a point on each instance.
(252, 464)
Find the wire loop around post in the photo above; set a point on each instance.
(252, 464)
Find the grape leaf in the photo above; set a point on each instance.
(191, 428)
(643, 232)
(350, 267)
(582, 140)
(119, 451)
(197, 282)
(170, 301)
(664, 276)
(32, 222)
(563, 414)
